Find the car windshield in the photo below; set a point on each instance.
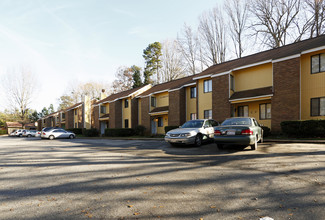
(192, 124)
(237, 121)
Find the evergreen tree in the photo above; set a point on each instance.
(152, 56)
(136, 76)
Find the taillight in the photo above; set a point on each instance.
(44, 133)
(247, 132)
(217, 132)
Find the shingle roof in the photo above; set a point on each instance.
(252, 93)
(160, 109)
(273, 54)
(14, 125)
(175, 84)
(74, 106)
(119, 95)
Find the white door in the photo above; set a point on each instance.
(153, 127)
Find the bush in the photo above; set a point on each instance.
(3, 132)
(168, 128)
(266, 131)
(75, 130)
(308, 128)
(139, 130)
(119, 132)
(93, 132)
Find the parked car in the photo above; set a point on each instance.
(57, 133)
(18, 133)
(192, 132)
(13, 133)
(29, 133)
(238, 131)
(38, 134)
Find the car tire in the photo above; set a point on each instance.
(220, 146)
(71, 136)
(198, 140)
(51, 137)
(20, 135)
(29, 136)
(254, 146)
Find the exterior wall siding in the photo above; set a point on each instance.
(286, 98)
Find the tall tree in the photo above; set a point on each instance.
(34, 116)
(152, 55)
(137, 82)
(275, 20)
(213, 31)
(20, 87)
(124, 79)
(65, 101)
(237, 10)
(317, 18)
(188, 44)
(173, 66)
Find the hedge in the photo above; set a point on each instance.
(3, 132)
(266, 131)
(119, 132)
(139, 130)
(308, 128)
(168, 128)
(93, 132)
(75, 130)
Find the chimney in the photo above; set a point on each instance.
(102, 94)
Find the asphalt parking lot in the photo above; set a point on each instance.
(134, 179)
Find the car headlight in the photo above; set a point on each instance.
(186, 135)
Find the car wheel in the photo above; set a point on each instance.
(29, 135)
(220, 146)
(51, 137)
(198, 140)
(71, 136)
(254, 146)
(20, 135)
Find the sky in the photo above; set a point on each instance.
(64, 41)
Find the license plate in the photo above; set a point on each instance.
(231, 132)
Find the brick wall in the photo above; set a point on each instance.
(95, 117)
(115, 114)
(134, 112)
(177, 108)
(220, 98)
(145, 117)
(69, 119)
(286, 98)
(80, 116)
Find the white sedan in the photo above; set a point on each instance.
(57, 133)
(192, 132)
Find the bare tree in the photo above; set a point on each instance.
(173, 66)
(20, 86)
(124, 79)
(274, 20)
(212, 30)
(188, 45)
(317, 18)
(237, 10)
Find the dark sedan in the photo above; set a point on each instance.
(238, 131)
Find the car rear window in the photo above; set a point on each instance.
(237, 121)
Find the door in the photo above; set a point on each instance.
(103, 126)
(154, 126)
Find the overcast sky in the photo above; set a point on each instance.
(84, 40)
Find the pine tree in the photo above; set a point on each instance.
(136, 76)
(152, 56)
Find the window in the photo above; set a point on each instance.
(160, 122)
(207, 114)
(243, 111)
(193, 116)
(232, 83)
(318, 63)
(193, 92)
(63, 115)
(214, 123)
(103, 109)
(126, 123)
(76, 112)
(265, 111)
(126, 103)
(207, 86)
(153, 101)
(317, 106)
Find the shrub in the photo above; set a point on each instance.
(139, 130)
(308, 128)
(75, 130)
(3, 132)
(266, 131)
(93, 132)
(168, 128)
(119, 132)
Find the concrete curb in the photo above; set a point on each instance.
(295, 141)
